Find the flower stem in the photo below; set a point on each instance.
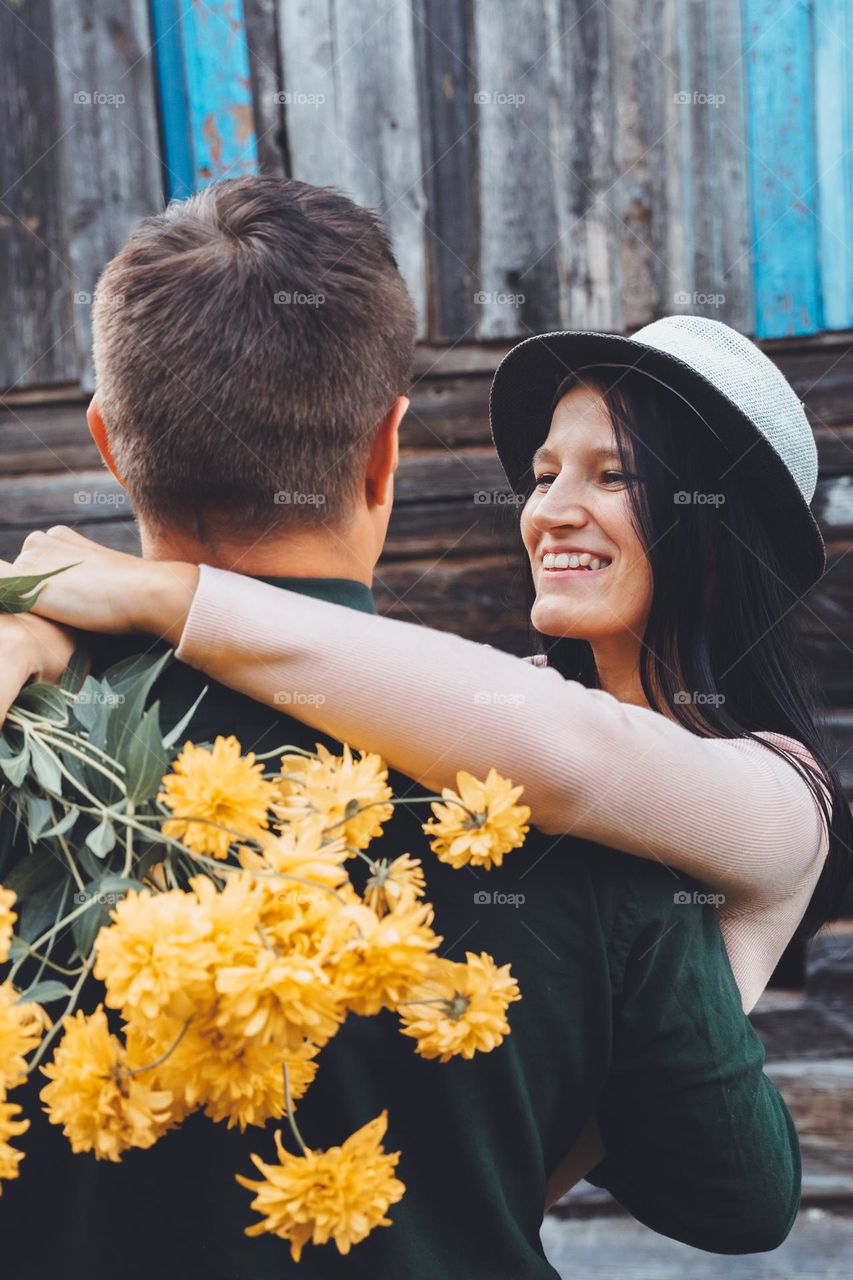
(288, 1102)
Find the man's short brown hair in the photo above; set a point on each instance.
(248, 341)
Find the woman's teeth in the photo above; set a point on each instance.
(566, 560)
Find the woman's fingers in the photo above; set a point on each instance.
(94, 592)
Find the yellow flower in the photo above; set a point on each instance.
(279, 998)
(234, 1079)
(459, 1008)
(385, 954)
(337, 787)
(94, 1094)
(232, 913)
(156, 955)
(493, 825)
(20, 1032)
(340, 1194)
(7, 920)
(220, 786)
(392, 882)
(300, 851)
(10, 1128)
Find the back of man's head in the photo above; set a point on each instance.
(248, 341)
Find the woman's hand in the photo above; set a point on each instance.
(29, 647)
(106, 590)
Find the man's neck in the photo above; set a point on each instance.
(298, 555)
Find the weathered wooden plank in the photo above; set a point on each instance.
(64, 498)
(833, 506)
(711, 151)
(449, 411)
(107, 105)
(351, 110)
(444, 47)
(45, 438)
(522, 267)
(645, 189)
(38, 336)
(820, 1247)
(465, 597)
(205, 92)
(479, 357)
(833, 106)
(780, 93)
(265, 67)
(793, 1026)
(450, 407)
(829, 966)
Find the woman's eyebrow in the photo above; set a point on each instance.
(600, 451)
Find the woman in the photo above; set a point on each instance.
(665, 482)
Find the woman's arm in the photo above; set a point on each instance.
(729, 812)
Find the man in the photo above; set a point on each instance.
(252, 349)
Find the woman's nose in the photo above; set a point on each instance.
(557, 507)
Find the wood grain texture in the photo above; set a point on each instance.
(351, 102)
(265, 66)
(110, 151)
(833, 54)
(446, 54)
(711, 151)
(521, 276)
(778, 44)
(205, 92)
(36, 277)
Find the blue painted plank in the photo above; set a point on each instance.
(205, 92)
(833, 31)
(172, 94)
(780, 89)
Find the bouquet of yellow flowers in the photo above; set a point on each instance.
(209, 893)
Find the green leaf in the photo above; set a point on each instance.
(45, 768)
(133, 689)
(75, 672)
(124, 675)
(15, 767)
(175, 732)
(63, 826)
(18, 595)
(85, 705)
(38, 813)
(44, 700)
(44, 992)
(40, 882)
(102, 838)
(107, 891)
(147, 759)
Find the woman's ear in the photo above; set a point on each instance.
(385, 455)
(98, 430)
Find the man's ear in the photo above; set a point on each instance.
(385, 455)
(98, 430)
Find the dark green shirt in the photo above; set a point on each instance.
(628, 1007)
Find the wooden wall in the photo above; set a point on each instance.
(539, 163)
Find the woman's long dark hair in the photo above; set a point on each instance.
(721, 623)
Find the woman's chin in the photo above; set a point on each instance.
(551, 618)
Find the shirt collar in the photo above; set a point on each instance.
(345, 591)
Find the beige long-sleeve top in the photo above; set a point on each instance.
(729, 812)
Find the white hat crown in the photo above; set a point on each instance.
(747, 377)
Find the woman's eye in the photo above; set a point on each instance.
(546, 479)
(615, 477)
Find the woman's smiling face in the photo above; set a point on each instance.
(578, 513)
